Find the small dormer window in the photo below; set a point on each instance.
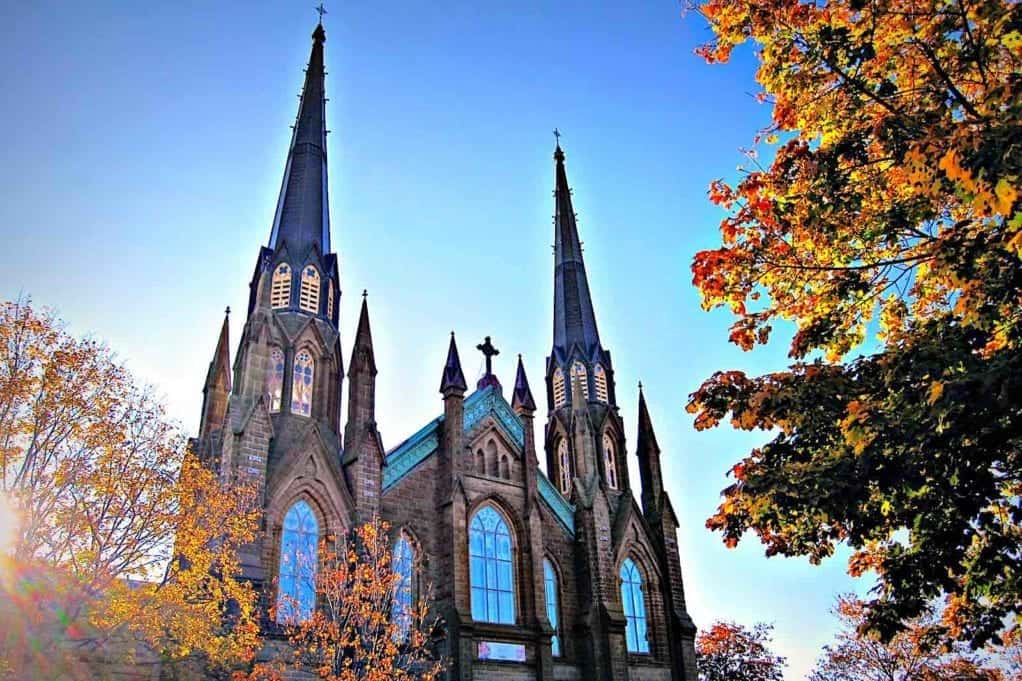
(280, 286)
(558, 385)
(600, 379)
(309, 297)
(578, 373)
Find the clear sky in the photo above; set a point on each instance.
(143, 146)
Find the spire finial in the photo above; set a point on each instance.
(640, 386)
(227, 312)
(365, 293)
(321, 10)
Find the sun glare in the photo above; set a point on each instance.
(8, 524)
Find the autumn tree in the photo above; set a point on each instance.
(886, 232)
(731, 652)
(913, 654)
(371, 622)
(117, 537)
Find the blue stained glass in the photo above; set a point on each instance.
(402, 561)
(552, 605)
(634, 604)
(491, 568)
(296, 592)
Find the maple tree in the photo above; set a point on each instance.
(914, 654)
(120, 535)
(887, 232)
(731, 652)
(354, 633)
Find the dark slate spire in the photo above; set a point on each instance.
(303, 214)
(453, 378)
(362, 353)
(522, 398)
(574, 319)
(217, 388)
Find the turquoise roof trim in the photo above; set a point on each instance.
(422, 444)
(563, 511)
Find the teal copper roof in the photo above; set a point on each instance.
(480, 404)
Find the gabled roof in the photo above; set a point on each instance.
(488, 402)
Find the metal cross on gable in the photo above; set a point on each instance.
(321, 10)
(486, 347)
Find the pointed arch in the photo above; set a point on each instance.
(552, 596)
(275, 379)
(302, 382)
(280, 286)
(633, 602)
(600, 379)
(491, 566)
(610, 461)
(558, 388)
(564, 466)
(296, 573)
(308, 296)
(579, 373)
(403, 559)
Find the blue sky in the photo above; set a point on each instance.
(144, 146)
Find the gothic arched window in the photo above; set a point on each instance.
(308, 298)
(275, 379)
(402, 563)
(564, 465)
(301, 384)
(634, 604)
(553, 605)
(579, 373)
(600, 378)
(280, 286)
(558, 383)
(296, 592)
(610, 460)
(491, 574)
(505, 467)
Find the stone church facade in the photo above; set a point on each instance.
(563, 575)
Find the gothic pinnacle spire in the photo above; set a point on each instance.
(221, 356)
(574, 318)
(522, 398)
(362, 354)
(302, 218)
(453, 378)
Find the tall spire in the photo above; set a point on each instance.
(302, 219)
(362, 355)
(221, 364)
(574, 319)
(217, 388)
(453, 378)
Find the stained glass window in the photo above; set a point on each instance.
(402, 562)
(553, 605)
(490, 568)
(308, 298)
(296, 593)
(301, 384)
(558, 383)
(600, 378)
(610, 460)
(280, 286)
(578, 373)
(275, 379)
(564, 465)
(634, 604)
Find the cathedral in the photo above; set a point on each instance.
(558, 575)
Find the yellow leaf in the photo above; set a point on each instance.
(936, 390)
(1006, 195)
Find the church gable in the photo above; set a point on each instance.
(491, 454)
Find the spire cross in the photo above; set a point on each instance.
(489, 351)
(557, 136)
(321, 10)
